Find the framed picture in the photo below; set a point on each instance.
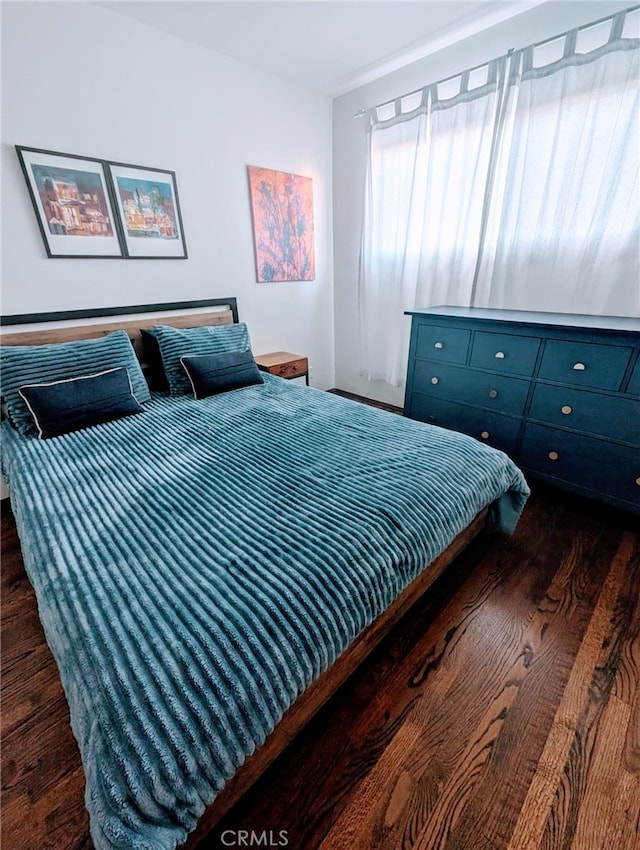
(146, 200)
(282, 209)
(72, 202)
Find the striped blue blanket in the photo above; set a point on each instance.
(198, 565)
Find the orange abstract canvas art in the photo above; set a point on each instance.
(282, 208)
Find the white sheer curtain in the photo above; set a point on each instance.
(562, 224)
(426, 184)
(394, 213)
(518, 189)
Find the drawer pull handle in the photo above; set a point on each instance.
(638, 481)
(553, 455)
(500, 355)
(493, 393)
(579, 367)
(435, 380)
(438, 345)
(484, 435)
(566, 409)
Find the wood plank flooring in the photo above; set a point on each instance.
(502, 713)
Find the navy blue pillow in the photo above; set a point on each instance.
(68, 405)
(211, 374)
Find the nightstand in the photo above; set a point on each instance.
(284, 365)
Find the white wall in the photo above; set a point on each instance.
(82, 79)
(349, 156)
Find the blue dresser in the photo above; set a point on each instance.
(559, 393)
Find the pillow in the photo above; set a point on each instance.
(153, 368)
(60, 407)
(39, 364)
(181, 342)
(211, 374)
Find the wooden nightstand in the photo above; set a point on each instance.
(284, 365)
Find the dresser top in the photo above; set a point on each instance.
(567, 320)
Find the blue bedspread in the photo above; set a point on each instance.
(198, 565)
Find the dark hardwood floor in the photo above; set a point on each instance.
(502, 712)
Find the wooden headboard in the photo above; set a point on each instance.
(177, 315)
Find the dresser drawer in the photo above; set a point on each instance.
(448, 345)
(495, 430)
(610, 416)
(513, 355)
(592, 464)
(495, 392)
(584, 364)
(291, 369)
(634, 381)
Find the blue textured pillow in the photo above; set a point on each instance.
(182, 342)
(210, 374)
(68, 405)
(39, 364)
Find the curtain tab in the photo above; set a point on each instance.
(570, 43)
(617, 26)
(511, 63)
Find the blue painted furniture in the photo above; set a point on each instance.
(559, 393)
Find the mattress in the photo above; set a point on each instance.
(198, 565)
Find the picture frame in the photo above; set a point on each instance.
(283, 227)
(147, 205)
(73, 203)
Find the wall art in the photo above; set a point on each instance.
(282, 209)
(147, 203)
(72, 202)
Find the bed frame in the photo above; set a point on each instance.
(131, 326)
(320, 691)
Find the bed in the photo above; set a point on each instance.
(209, 571)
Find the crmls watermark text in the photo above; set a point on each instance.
(251, 838)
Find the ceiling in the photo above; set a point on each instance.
(328, 46)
